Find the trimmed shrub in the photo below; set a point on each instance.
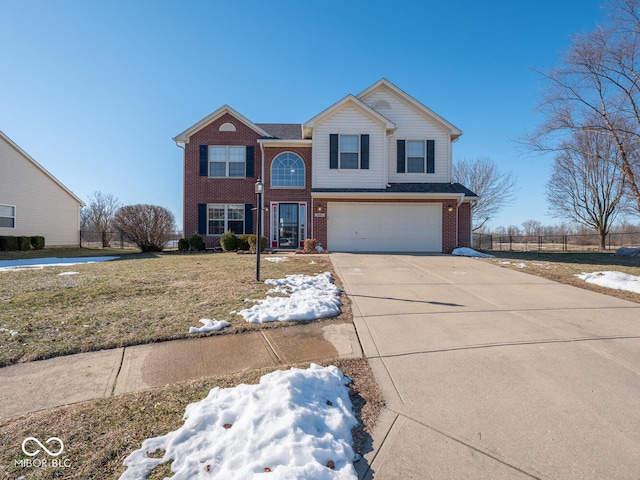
(253, 242)
(8, 243)
(183, 245)
(228, 241)
(37, 242)
(310, 245)
(196, 242)
(24, 243)
(243, 242)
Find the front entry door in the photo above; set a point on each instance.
(288, 225)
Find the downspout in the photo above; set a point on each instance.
(184, 214)
(261, 207)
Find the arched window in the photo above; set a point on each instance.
(287, 170)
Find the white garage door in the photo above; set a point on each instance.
(384, 227)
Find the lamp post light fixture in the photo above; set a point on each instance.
(259, 190)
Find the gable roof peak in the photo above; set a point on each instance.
(184, 136)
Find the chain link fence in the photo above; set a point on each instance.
(553, 243)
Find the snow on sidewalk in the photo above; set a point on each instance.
(295, 424)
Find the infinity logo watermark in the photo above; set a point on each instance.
(49, 452)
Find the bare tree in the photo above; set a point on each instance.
(531, 228)
(149, 226)
(586, 186)
(98, 215)
(596, 89)
(495, 189)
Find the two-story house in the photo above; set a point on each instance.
(373, 172)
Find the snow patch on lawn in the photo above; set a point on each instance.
(209, 325)
(39, 263)
(295, 424)
(276, 259)
(306, 298)
(613, 279)
(470, 252)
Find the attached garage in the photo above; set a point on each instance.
(384, 227)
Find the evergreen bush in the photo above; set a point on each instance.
(196, 242)
(228, 241)
(24, 243)
(183, 245)
(37, 242)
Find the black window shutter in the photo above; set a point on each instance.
(204, 160)
(401, 156)
(364, 152)
(333, 150)
(202, 218)
(431, 156)
(248, 217)
(250, 170)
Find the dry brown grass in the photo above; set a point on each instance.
(563, 267)
(137, 299)
(98, 435)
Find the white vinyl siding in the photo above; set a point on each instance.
(413, 125)
(384, 227)
(348, 121)
(42, 206)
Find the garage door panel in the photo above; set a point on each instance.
(384, 227)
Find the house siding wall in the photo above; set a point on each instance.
(207, 190)
(42, 206)
(348, 120)
(412, 125)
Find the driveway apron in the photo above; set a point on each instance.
(493, 373)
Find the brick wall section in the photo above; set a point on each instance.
(286, 194)
(199, 189)
(464, 225)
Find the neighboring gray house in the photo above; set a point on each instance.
(34, 202)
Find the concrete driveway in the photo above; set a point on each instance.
(493, 373)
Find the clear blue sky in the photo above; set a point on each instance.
(94, 91)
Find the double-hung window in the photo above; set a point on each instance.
(227, 161)
(7, 216)
(416, 156)
(349, 152)
(222, 218)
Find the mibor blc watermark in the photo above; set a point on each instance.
(43, 455)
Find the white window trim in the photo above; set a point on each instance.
(227, 161)
(226, 207)
(14, 217)
(406, 156)
(340, 135)
(304, 173)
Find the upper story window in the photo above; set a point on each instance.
(227, 161)
(287, 170)
(7, 216)
(416, 156)
(349, 152)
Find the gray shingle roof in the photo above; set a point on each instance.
(283, 131)
(443, 188)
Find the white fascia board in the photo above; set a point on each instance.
(184, 136)
(350, 99)
(454, 131)
(41, 168)
(459, 197)
(292, 142)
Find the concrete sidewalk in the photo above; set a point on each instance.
(492, 373)
(34, 386)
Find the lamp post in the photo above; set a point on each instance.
(259, 190)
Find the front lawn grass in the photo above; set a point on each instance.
(98, 435)
(140, 298)
(563, 267)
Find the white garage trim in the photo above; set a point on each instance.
(384, 227)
